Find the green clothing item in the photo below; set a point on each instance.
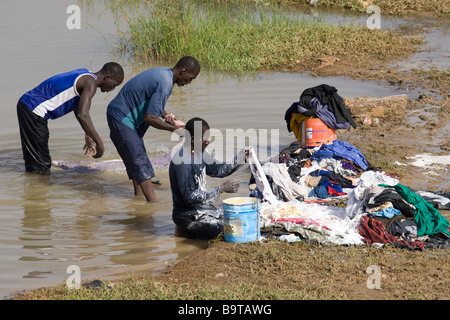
(429, 220)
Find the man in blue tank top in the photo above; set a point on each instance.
(139, 105)
(56, 97)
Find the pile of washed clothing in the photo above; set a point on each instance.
(389, 212)
(331, 194)
(318, 173)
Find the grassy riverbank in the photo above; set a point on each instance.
(250, 38)
(388, 7)
(275, 270)
(398, 7)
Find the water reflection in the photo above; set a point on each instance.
(58, 230)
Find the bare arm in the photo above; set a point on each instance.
(88, 87)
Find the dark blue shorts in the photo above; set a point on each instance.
(131, 148)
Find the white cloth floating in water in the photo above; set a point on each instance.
(100, 165)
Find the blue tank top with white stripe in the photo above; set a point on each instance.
(56, 96)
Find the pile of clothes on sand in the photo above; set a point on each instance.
(338, 198)
(331, 194)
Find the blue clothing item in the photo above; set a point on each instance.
(256, 194)
(341, 150)
(324, 114)
(321, 192)
(387, 213)
(131, 148)
(56, 96)
(145, 93)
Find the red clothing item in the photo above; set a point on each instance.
(374, 231)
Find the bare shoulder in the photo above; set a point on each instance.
(86, 83)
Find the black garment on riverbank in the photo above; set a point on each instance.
(328, 96)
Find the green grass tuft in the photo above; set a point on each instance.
(251, 38)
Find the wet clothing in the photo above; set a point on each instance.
(374, 231)
(145, 93)
(193, 211)
(328, 117)
(34, 135)
(52, 99)
(328, 96)
(429, 220)
(130, 146)
(56, 96)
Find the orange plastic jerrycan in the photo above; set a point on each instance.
(315, 132)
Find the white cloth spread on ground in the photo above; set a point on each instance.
(325, 224)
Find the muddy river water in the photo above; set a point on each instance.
(92, 220)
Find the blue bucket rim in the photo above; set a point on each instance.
(247, 201)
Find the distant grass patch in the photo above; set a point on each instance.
(246, 38)
(397, 7)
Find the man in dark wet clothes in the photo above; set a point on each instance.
(193, 211)
(56, 97)
(139, 105)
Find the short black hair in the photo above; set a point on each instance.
(190, 125)
(114, 70)
(189, 63)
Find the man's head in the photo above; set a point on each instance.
(198, 132)
(186, 70)
(111, 76)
